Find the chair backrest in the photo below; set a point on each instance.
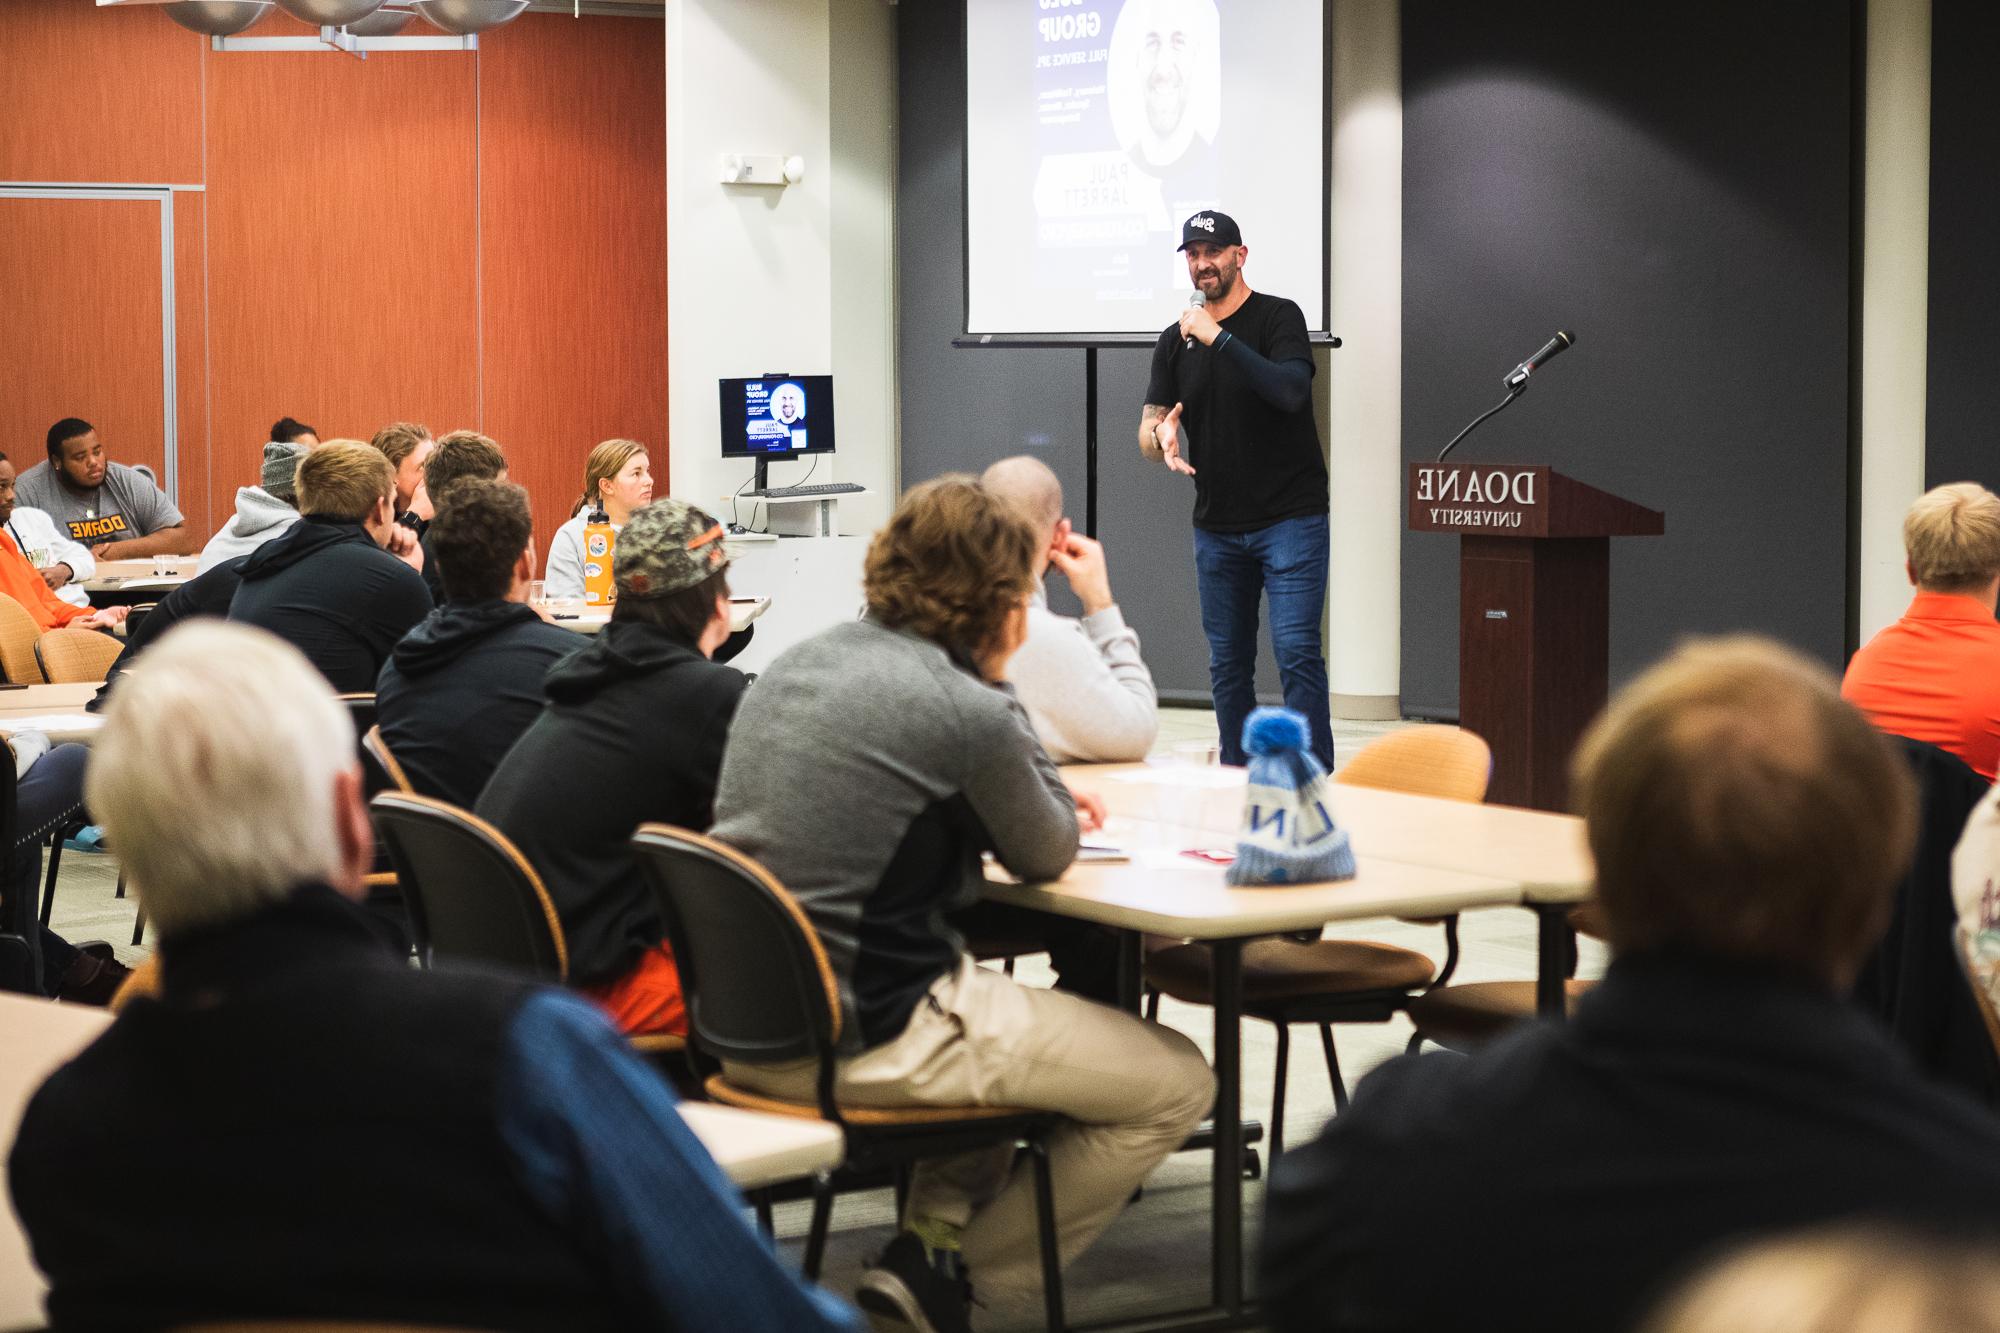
(18, 632)
(361, 710)
(1914, 980)
(471, 894)
(1448, 762)
(757, 984)
(68, 656)
(377, 749)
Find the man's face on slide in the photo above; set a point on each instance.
(1166, 42)
(786, 406)
(1213, 268)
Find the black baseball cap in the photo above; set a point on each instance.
(1211, 227)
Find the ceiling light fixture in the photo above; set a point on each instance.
(216, 18)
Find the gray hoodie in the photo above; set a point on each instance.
(259, 517)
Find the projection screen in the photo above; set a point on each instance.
(1094, 127)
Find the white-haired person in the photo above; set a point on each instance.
(323, 1132)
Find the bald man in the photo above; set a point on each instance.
(1087, 690)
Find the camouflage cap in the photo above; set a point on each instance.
(667, 547)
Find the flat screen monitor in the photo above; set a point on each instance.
(777, 416)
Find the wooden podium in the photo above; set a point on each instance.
(1534, 611)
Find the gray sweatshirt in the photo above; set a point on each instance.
(868, 772)
(259, 517)
(1087, 690)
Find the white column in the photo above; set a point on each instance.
(798, 278)
(1365, 414)
(1895, 281)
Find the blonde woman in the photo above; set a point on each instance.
(617, 478)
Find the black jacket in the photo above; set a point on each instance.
(459, 690)
(319, 1141)
(1567, 1176)
(634, 732)
(326, 588)
(1913, 982)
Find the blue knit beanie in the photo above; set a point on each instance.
(1288, 834)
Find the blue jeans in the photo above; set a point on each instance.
(1287, 563)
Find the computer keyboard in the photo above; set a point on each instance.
(799, 492)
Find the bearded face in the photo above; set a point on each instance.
(1164, 57)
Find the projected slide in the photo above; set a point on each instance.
(1095, 126)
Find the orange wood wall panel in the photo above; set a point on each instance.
(342, 248)
(81, 336)
(573, 201)
(89, 94)
(459, 240)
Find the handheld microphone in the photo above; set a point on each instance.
(1195, 304)
(1519, 374)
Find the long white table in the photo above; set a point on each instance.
(56, 710)
(1415, 856)
(743, 612)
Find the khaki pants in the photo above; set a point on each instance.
(1133, 1091)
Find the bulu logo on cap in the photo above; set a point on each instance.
(1205, 222)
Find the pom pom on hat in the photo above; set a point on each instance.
(1274, 731)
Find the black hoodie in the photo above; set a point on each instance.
(459, 690)
(633, 732)
(326, 588)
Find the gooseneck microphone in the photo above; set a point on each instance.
(1519, 374)
(1196, 303)
(1517, 384)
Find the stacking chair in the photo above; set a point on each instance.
(18, 632)
(68, 656)
(388, 774)
(471, 894)
(1466, 1016)
(473, 897)
(759, 990)
(1287, 981)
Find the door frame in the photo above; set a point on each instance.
(170, 389)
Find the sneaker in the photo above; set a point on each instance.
(906, 1289)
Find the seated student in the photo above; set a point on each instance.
(48, 795)
(327, 1134)
(288, 431)
(342, 585)
(868, 770)
(459, 456)
(462, 686)
(24, 583)
(408, 446)
(1749, 829)
(633, 732)
(617, 477)
(114, 510)
(263, 511)
(1934, 675)
(1087, 691)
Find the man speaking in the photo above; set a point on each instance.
(1230, 404)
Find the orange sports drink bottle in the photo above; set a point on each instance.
(599, 540)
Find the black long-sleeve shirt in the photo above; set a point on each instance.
(1247, 423)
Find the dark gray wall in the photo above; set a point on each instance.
(1962, 429)
(1671, 182)
(962, 408)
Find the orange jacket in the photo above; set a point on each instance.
(1934, 676)
(24, 583)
